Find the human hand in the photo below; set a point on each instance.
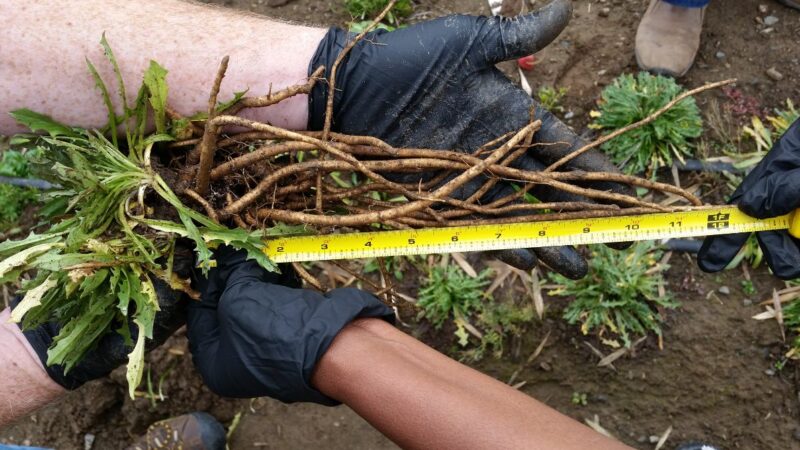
(435, 85)
(771, 189)
(255, 334)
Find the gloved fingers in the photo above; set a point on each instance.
(172, 311)
(782, 253)
(548, 194)
(718, 251)
(202, 326)
(507, 39)
(564, 260)
(521, 258)
(558, 141)
(773, 195)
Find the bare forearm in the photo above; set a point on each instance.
(26, 386)
(421, 399)
(43, 45)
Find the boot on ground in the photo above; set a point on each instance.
(195, 431)
(668, 38)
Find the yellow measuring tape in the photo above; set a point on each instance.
(701, 222)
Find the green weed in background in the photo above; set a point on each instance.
(14, 199)
(630, 99)
(765, 135)
(362, 10)
(550, 98)
(449, 294)
(579, 399)
(619, 299)
(395, 265)
(791, 320)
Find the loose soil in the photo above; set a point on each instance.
(714, 380)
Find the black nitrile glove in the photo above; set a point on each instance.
(253, 336)
(771, 189)
(435, 85)
(111, 352)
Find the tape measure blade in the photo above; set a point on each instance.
(718, 221)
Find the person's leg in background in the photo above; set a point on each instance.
(669, 36)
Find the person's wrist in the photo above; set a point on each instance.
(337, 365)
(286, 68)
(328, 49)
(339, 370)
(27, 384)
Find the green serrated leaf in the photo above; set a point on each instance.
(283, 229)
(55, 261)
(23, 257)
(136, 361)
(462, 335)
(111, 127)
(221, 107)
(19, 139)
(204, 256)
(181, 129)
(82, 332)
(153, 138)
(155, 78)
(257, 254)
(11, 247)
(40, 122)
(93, 281)
(113, 60)
(32, 299)
(124, 292)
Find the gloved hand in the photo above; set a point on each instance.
(435, 85)
(111, 352)
(255, 334)
(771, 189)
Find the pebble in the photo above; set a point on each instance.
(724, 290)
(720, 55)
(654, 439)
(600, 398)
(604, 12)
(544, 366)
(763, 9)
(88, 441)
(770, 20)
(569, 115)
(747, 302)
(770, 372)
(602, 72)
(774, 74)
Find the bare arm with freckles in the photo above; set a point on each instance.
(43, 45)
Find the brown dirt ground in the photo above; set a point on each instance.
(713, 380)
